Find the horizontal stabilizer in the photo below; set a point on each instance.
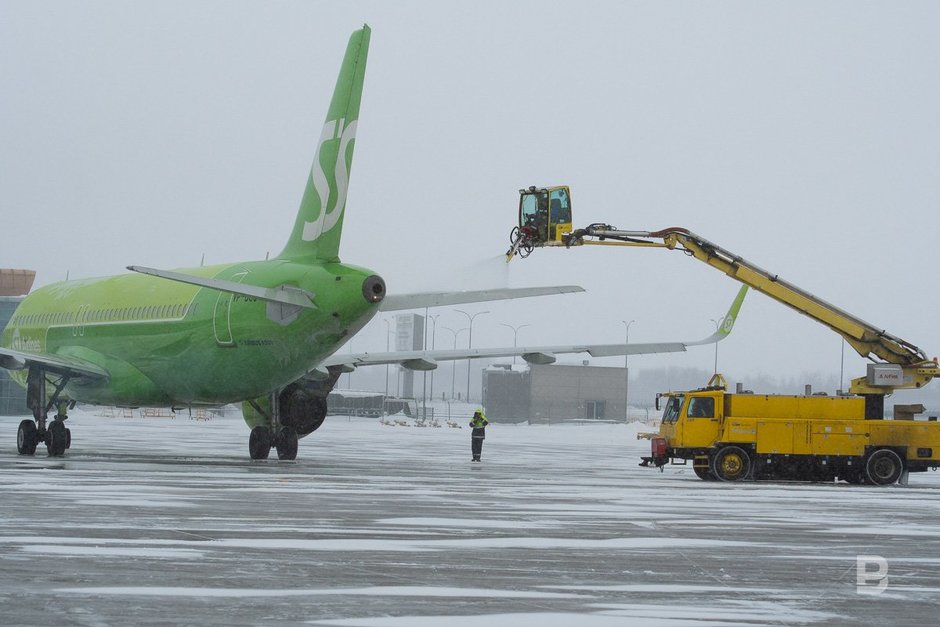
(285, 294)
(399, 302)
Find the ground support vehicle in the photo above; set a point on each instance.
(733, 437)
(802, 437)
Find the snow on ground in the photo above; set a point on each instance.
(166, 520)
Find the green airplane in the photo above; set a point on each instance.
(260, 333)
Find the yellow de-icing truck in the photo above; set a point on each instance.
(740, 436)
(817, 438)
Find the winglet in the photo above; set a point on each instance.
(319, 222)
(727, 323)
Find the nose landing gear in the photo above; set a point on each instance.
(57, 437)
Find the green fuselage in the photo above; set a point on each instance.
(167, 343)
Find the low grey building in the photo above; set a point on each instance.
(543, 394)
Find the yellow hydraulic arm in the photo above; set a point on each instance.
(911, 368)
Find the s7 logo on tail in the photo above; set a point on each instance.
(328, 217)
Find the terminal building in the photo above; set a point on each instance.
(554, 393)
(14, 286)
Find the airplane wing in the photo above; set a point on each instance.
(427, 359)
(60, 364)
(399, 302)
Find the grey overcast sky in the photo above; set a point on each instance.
(803, 136)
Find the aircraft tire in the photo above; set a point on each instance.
(286, 443)
(27, 437)
(259, 443)
(56, 439)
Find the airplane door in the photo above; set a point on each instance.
(78, 329)
(222, 315)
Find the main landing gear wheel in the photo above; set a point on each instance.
(259, 443)
(57, 439)
(884, 467)
(27, 438)
(286, 443)
(732, 463)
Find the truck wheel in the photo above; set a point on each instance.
(703, 473)
(732, 463)
(883, 467)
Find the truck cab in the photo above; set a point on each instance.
(545, 212)
(691, 420)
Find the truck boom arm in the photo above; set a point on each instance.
(868, 340)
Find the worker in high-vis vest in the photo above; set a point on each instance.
(478, 424)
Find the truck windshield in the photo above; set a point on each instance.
(671, 412)
(533, 212)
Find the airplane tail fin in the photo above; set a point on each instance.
(319, 223)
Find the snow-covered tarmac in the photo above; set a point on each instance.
(167, 521)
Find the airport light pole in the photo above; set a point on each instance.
(453, 371)
(470, 343)
(433, 336)
(626, 376)
(515, 333)
(717, 325)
